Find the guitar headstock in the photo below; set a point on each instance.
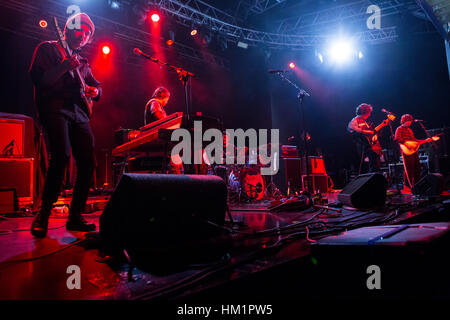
(59, 33)
(391, 117)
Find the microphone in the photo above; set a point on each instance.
(138, 52)
(291, 138)
(418, 120)
(278, 71)
(385, 111)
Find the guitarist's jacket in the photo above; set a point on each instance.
(63, 96)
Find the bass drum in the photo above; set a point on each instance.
(247, 182)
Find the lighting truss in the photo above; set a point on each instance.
(136, 37)
(348, 12)
(195, 11)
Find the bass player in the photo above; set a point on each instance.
(360, 129)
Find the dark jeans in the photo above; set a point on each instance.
(365, 150)
(412, 169)
(65, 134)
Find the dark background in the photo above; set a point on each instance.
(407, 76)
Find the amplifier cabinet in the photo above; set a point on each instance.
(315, 182)
(18, 174)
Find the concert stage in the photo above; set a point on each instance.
(265, 256)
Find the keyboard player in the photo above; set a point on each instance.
(154, 110)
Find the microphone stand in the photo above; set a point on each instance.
(183, 75)
(300, 95)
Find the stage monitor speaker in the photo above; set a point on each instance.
(152, 211)
(365, 191)
(431, 185)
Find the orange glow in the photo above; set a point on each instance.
(43, 24)
(292, 65)
(193, 32)
(169, 42)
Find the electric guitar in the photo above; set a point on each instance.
(87, 102)
(373, 138)
(410, 147)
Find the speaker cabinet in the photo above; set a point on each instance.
(365, 191)
(431, 185)
(293, 170)
(18, 174)
(150, 211)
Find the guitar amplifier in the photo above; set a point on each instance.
(316, 165)
(315, 183)
(18, 174)
(12, 133)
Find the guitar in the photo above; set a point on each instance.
(410, 147)
(87, 102)
(373, 138)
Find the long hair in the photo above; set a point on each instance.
(161, 93)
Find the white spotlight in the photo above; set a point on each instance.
(341, 51)
(360, 55)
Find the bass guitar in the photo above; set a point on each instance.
(410, 147)
(87, 102)
(373, 138)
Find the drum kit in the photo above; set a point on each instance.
(244, 181)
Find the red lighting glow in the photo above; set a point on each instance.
(193, 32)
(43, 24)
(292, 65)
(106, 50)
(155, 17)
(169, 42)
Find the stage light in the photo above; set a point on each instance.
(114, 4)
(341, 51)
(43, 24)
(169, 42)
(242, 45)
(360, 55)
(194, 32)
(291, 65)
(320, 57)
(106, 50)
(155, 17)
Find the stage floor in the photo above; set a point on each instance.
(264, 253)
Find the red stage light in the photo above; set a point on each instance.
(106, 49)
(193, 32)
(169, 42)
(43, 24)
(292, 65)
(155, 17)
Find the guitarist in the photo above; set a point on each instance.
(404, 136)
(360, 129)
(65, 118)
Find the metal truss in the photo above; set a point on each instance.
(190, 12)
(133, 36)
(348, 12)
(256, 7)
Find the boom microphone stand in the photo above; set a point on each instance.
(183, 75)
(300, 95)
